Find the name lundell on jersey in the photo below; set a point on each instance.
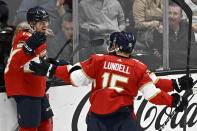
(116, 67)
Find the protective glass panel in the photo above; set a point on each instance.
(148, 25)
(180, 34)
(98, 19)
(59, 30)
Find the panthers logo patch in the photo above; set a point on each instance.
(43, 53)
(20, 44)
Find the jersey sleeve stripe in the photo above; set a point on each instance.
(69, 67)
(149, 90)
(154, 78)
(154, 95)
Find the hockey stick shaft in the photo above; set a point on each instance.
(187, 94)
(60, 51)
(188, 12)
(91, 43)
(49, 84)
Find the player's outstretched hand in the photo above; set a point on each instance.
(36, 40)
(179, 102)
(58, 62)
(183, 83)
(41, 68)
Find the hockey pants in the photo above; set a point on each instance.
(121, 120)
(46, 125)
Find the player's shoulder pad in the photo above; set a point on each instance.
(139, 65)
(22, 37)
(26, 34)
(139, 62)
(98, 56)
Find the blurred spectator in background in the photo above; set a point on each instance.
(6, 34)
(127, 6)
(64, 6)
(193, 6)
(56, 10)
(178, 39)
(63, 36)
(148, 17)
(98, 19)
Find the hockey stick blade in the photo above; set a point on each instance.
(96, 42)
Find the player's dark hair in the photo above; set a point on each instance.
(173, 4)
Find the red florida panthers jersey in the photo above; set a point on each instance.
(18, 78)
(116, 81)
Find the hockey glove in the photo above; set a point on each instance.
(183, 83)
(179, 102)
(36, 40)
(58, 62)
(43, 68)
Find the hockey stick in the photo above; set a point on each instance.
(185, 7)
(58, 54)
(186, 95)
(91, 44)
(188, 12)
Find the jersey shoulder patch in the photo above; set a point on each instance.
(20, 44)
(43, 53)
(99, 54)
(25, 33)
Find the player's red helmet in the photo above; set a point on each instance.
(125, 41)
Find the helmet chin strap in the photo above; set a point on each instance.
(117, 49)
(110, 51)
(114, 50)
(33, 26)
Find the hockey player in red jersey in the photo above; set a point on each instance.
(116, 80)
(33, 109)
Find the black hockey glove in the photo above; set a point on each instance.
(36, 40)
(58, 62)
(43, 68)
(183, 83)
(179, 102)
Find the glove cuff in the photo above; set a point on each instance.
(177, 100)
(175, 85)
(28, 50)
(51, 71)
